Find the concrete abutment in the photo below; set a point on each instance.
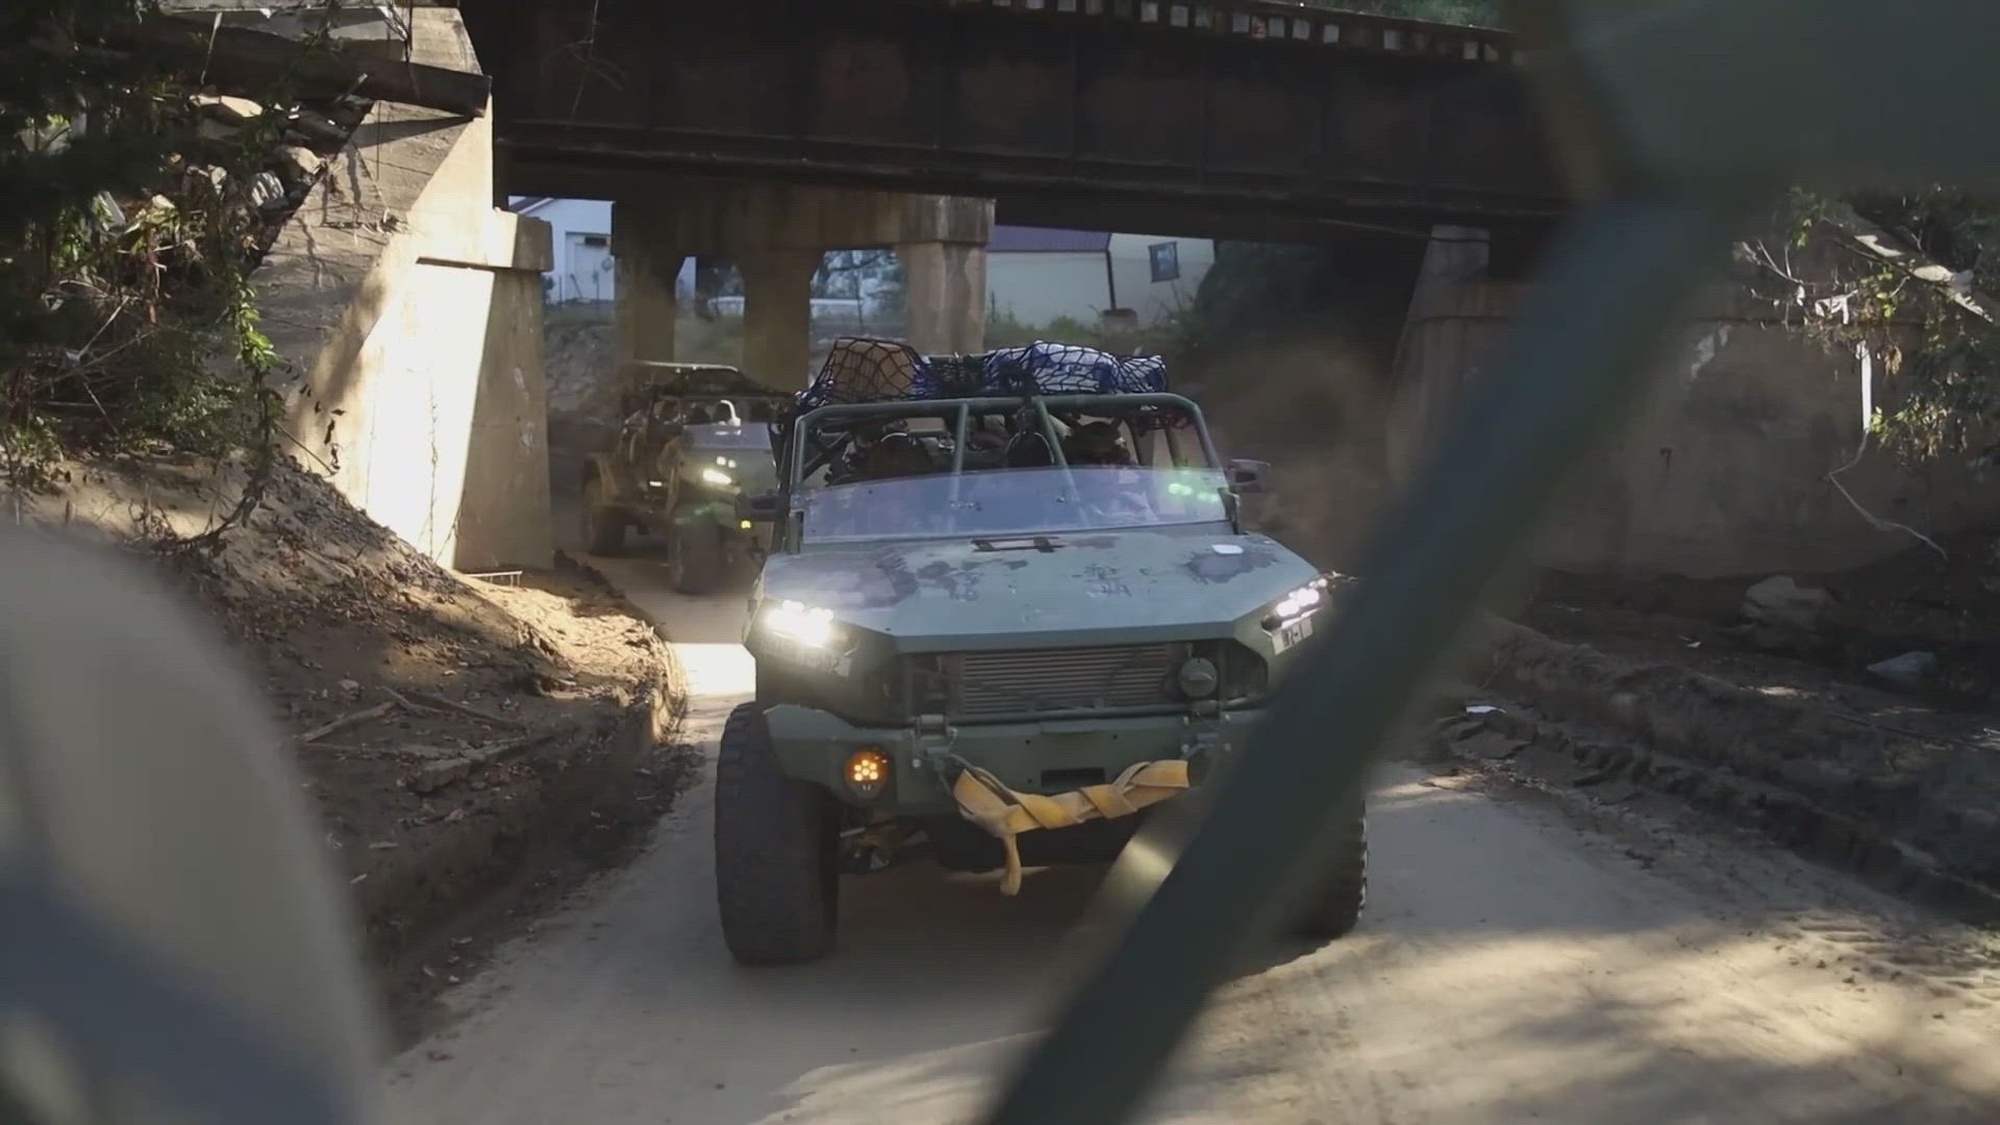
(777, 314)
(409, 310)
(1729, 468)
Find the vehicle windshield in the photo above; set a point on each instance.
(730, 437)
(1014, 502)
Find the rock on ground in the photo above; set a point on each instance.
(1779, 600)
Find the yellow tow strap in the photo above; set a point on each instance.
(985, 801)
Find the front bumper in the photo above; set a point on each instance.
(1032, 757)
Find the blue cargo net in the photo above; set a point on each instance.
(1066, 369)
(868, 370)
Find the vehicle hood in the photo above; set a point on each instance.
(1129, 586)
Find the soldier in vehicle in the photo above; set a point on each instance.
(875, 455)
(1029, 449)
(899, 454)
(1112, 491)
(1097, 443)
(895, 510)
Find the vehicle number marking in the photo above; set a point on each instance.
(1292, 634)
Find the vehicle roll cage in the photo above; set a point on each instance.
(794, 435)
(799, 458)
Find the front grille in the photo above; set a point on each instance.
(1038, 681)
(1023, 683)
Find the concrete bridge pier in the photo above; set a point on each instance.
(647, 261)
(945, 295)
(777, 314)
(778, 233)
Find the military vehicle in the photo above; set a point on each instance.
(694, 437)
(1008, 607)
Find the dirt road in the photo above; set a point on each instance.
(1515, 966)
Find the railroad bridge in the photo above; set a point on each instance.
(774, 131)
(1225, 118)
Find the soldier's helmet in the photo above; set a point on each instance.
(1096, 443)
(174, 943)
(899, 454)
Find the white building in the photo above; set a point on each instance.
(1033, 275)
(581, 230)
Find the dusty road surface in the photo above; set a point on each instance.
(1516, 965)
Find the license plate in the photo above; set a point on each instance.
(1292, 634)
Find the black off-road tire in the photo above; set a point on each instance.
(603, 525)
(777, 883)
(1335, 908)
(699, 562)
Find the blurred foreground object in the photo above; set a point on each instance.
(174, 945)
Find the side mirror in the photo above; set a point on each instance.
(1248, 476)
(761, 507)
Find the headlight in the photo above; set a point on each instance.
(811, 627)
(717, 477)
(1300, 602)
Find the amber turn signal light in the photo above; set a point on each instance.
(867, 773)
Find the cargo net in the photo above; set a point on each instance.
(861, 369)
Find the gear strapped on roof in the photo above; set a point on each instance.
(862, 369)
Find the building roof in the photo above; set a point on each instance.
(1045, 240)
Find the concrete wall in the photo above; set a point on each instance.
(409, 308)
(1725, 471)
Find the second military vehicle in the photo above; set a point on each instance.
(694, 437)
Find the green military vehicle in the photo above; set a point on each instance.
(1008, 606)
(695, 436)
